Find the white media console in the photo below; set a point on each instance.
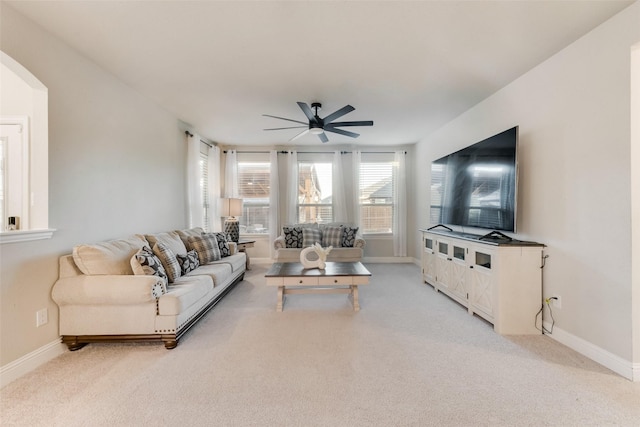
(498, 279)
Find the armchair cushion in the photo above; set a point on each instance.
(349, 236)
(311, 236)
(292, 236)
(332, 236)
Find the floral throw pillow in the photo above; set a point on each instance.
(188, 262)
(148, 263)
(349, 236)
(292, 237)
(223, 244)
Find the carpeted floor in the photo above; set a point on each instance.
(410, 357)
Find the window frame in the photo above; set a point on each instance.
(369, 159)
(317, 159)
(263, 160)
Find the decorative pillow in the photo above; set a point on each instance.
(168, 260)
(171, 240)
(349, 236)
(332, 236)
(145, 262)
(112, 257)
(292, 237)
(206, 246)
(311, 236)
(185, 234)
(188, 262)
(223, 245)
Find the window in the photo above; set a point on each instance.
(254, 182)
(204, 185)
(315, 192)
(376, 193)
(25, 179)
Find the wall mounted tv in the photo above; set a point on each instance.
(477, 186)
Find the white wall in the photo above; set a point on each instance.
(116, 167)
(574, 116)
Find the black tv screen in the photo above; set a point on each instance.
(477, 186)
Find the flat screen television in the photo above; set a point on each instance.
(477, 186)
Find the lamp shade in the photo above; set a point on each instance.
(231, 207)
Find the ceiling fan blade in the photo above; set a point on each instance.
(282, 118)
(341, 132)
(307, 111)
(304, 132)
(292, 127)
(341, 112)
(360, 123)
(323, 137)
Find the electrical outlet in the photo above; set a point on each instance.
(42, 317)
(557, 301)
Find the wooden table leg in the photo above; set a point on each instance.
(280, 302)
(353, 296)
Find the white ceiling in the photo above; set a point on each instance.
(410, 66)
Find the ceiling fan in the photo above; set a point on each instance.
(318, 126)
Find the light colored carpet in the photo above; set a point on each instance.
(410, 357)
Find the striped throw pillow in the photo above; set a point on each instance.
(207, 248)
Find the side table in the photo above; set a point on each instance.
(243, 245)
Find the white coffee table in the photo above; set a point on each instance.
(336, 278)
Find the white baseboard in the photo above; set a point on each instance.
(30, 361)
(620, 366)
(388, 259)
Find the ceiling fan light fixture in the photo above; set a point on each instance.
(316, 131)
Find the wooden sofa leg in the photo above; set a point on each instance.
(170, 344)
(74, 345)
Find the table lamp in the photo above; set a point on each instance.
(231, 208)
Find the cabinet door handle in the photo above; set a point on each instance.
(449, 259)
(471, 266)
(300, 281)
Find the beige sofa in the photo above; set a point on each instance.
(105, 294)
(348, 248)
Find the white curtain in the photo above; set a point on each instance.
(214, 188)
(400, 205)
(274, 200)
(355, 166)
(194, 192)
(339, 205)
(231, 188)
(292, 188)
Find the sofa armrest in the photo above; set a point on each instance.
(279, 243)
(107, 289)
(359, 242)
(233, 248)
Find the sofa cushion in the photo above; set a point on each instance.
(311, 236)
(145, 262)
(207, 248)
(188, 262)
(218, 272)
(168, 260)
(292, 236)
(236, 261)
(223, 245)
(332, 236)
(112, 257)
(183, 293)
(349, 236)
(185, 234)
(171, 239)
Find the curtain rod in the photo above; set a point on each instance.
(190, 135)
(312, 152)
